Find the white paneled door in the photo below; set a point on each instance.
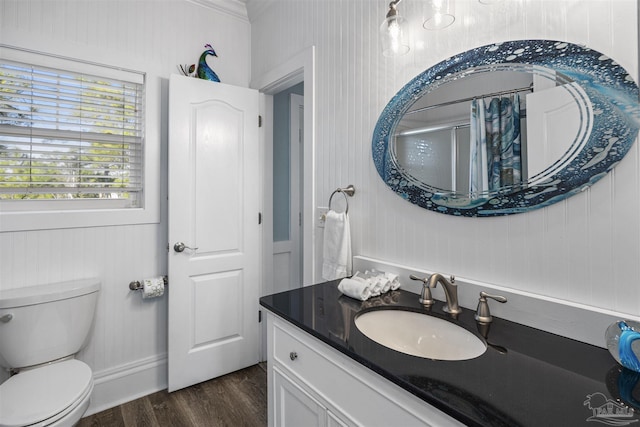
(213, 256)
(554, 121)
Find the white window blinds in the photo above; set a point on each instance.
(69, 135)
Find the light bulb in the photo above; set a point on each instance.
(439, 14)
(392, 36)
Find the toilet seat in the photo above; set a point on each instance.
(44, 395)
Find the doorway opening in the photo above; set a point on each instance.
(288, 171)
(297, 70)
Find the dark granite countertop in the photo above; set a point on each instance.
(527, 377)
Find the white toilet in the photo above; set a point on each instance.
(41, 329)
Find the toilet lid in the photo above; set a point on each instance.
(41, 393)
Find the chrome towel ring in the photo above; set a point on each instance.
(350, 190)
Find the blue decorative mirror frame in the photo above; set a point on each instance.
(610, 89)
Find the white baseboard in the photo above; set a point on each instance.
(124, 383)
(565, 318)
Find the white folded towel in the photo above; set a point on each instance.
(376, 286)
(336, 250)
(359, 276)
(370, 280)
(386, 284)
(369, 284)
(360, 279)
(355, 289)
(394, 281)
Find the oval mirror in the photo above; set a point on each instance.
(506, 128)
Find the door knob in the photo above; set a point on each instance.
(179, 247)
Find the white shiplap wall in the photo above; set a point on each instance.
(153, 36)
(584, 250)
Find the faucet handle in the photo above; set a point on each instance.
(483, 314)
(425, 297)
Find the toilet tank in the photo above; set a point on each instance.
(43, 323)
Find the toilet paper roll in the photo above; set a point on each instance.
(152, 288)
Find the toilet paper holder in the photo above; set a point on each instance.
(137, 285)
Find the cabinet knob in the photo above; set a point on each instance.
(293, 355)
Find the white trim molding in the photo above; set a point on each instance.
(127, 382)
(236, 8)
(255, 8)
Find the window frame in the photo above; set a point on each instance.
(27, 215)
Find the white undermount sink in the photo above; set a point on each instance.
(420, 335)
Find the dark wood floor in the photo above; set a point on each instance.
(236, 399)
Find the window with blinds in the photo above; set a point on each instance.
(68, 135)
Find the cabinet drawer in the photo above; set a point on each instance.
(297, 356)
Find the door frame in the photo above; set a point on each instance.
(299, 68)
(296, 146)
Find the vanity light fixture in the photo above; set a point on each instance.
(393, 32)
(438, 14)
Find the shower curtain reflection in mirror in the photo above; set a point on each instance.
(495, 145)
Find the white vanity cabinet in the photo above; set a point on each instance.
(293, 406)
(312, 384)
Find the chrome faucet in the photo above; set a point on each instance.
(483, 315)
(425, 296)
(450, 292)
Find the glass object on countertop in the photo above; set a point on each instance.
(623, 342)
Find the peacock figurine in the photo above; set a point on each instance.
(204, 71)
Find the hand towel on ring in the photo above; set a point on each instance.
(336, 250)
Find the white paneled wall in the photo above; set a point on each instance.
(151, 36)
(584, 250)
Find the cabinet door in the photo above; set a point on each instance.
(294, 407)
